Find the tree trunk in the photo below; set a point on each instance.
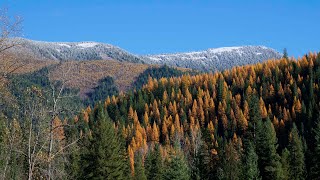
(50, 150)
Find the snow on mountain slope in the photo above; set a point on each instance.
(215, 59)
(63, 51)
(87, 44)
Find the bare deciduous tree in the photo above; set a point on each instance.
(57, 96)
(9, 28)
(9, 63)
(43, 149)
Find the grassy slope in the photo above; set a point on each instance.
(82, 75)
(86, 74)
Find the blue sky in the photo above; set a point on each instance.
(151, 27)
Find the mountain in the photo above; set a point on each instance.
(215, 59)
(209, 60)
(64, 51)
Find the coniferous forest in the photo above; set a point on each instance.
(88, 110)
(252, 122)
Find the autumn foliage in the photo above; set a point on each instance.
(209, 110)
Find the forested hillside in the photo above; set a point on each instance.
(251, 122)
(159, 72)
(107, 87)
(21, 84)
(85, 110)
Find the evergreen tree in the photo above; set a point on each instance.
(105, 88)
(266, 146)
(285, 164)
(139, 171)
(74, 164)
(220, 89)
(230, 163)
(315, 169)
(154, 165)
(285, 53)
(205, 163)
(251, 168)
(297, 166)
(73, 168)
(105, 155)
(255, 117)
(177, 168)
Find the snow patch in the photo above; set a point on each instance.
(263, 47)
(194, 58)
(193, 53)
(155, 58)
(65, 45)
(87, 44)
(223, 49)
(215, 58)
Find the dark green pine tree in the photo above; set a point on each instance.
(297, 166)
(315, 169)
(255, 117)
(139, 171)
(318, 59)
(205, 163)
(250, 135)
(285, 165)
(220, 89)
(266, 148)
(230, 162)
(105, 154)
(251, 168)
(177, 168)
(285, 54)
(154, 165)
(73, 167)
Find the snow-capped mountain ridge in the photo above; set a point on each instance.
(215, 58)
(212, 59)
(212, 50)
(63, 51)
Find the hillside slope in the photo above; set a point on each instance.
(268, 109)
(207, 60)
(82, 75)
(64, 51)
(85, 75)
(215, 59)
